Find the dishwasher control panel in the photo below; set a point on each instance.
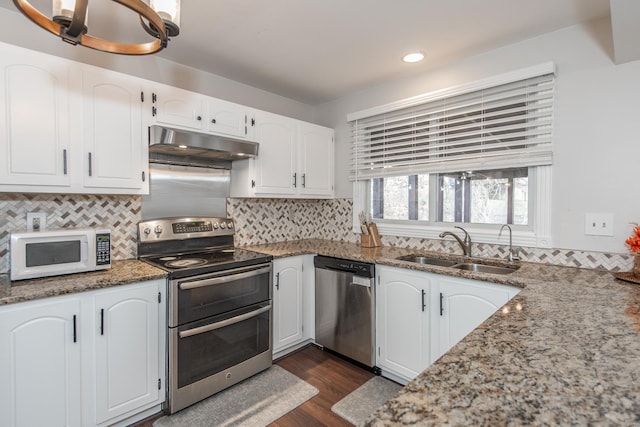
(358, 268)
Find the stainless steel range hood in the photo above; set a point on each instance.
(176, 146)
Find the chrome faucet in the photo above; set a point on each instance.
(513, 256)
(465, 245)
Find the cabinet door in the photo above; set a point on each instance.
(40, 364)
(126, 350)
(34, 119)
(402, 299)
(230, 119)
(463, 306)
(178, 107)
(316, 160)
(287, 302)
(113, 135)
(276, 162)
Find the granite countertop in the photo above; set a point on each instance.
(565, 351)
(121, 273)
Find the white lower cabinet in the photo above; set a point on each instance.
(40, 363)
(127, 350)
(90, 359)
(293, 294)
(421, 315)
(402, 321)
(462, 305)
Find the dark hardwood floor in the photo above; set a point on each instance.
(332, 376)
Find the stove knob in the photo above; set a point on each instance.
(215, 225)
(230, 225)
(223, 225)
(158, 230)
(147, 231)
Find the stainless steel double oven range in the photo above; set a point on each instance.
(219, 303)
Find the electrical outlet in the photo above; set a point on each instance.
(36, 221)
(598, 224)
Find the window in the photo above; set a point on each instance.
(475, 154)
(486, 197)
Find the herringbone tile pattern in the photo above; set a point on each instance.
(120, 214)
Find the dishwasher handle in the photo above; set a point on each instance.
(361, 281)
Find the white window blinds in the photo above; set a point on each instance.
(498, 126)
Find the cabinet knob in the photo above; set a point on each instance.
(213, 121)
(199, 118)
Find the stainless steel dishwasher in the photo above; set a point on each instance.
(345, 308)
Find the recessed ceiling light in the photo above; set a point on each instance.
(413, 57)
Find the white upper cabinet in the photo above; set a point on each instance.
(276, 162)
(172, 106)
(295, 160)
(183, 109)
(34, 119)
(113, 143)
(69, 127)
(315, 160)
(227, 118)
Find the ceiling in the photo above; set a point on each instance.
(314, 51)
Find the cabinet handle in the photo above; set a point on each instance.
(304, 183)
(295, 176)
(75, 329)
(253, 183)
(154, 97)
(102, 321)
(253, 122)
(90, 167)
(141, 96)
(423, 303)
(441, 304)
(64, 161)
(278, 281)
(154, 111)
(143, 176)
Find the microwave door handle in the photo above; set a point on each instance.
(223, 279)
(84, 250)
(223, 323)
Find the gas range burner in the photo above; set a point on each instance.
(183, 263)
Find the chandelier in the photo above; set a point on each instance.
(161, 19)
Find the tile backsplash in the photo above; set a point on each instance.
(257, 221)
(118, 213)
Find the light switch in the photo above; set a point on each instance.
(598, 224)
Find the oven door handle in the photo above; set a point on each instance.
(222, 324)
(223, 279)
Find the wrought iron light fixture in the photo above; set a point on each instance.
(161, 19)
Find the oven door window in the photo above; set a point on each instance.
(204, 297)
(212, 345)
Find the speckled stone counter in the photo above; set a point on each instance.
(121, 273)
(565, 352)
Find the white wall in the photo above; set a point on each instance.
(596, 129)
(18, 30)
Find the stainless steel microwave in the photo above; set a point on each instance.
(61, 251)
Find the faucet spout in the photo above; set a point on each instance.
(513, 256)
(465, 245)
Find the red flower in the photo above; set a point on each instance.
(634, 241)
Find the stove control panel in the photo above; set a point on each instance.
(182, 228)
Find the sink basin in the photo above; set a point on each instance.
(482, 268)
(420, 259)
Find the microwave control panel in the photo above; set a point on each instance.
(103, 249)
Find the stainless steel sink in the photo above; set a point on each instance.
(420, 259)
(483, 268)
